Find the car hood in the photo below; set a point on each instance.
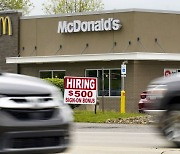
(166, 80)
(15, 84)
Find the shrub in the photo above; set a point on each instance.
(60, 84)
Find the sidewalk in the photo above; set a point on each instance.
(78, 125)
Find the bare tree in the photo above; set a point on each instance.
(71, 6)
(25, 5)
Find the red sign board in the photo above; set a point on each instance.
(169, 72)
(80, 90)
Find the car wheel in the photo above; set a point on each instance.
(169, 125)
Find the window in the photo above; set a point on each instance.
(91, 73)
(58, 74)
(52, 74)
(109, 81)
(115, 82)
(45, 74)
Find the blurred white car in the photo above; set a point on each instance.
(33, 116)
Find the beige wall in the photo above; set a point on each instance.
(163, 26)
(42, 33)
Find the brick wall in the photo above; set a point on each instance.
(9, 45)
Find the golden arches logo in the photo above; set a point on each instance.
(6, 27)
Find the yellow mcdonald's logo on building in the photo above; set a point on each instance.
(6, 27)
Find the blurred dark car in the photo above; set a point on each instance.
(164, 96)
(33, 117)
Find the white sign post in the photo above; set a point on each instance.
(123, 70)
(123, 75)
(80, 90)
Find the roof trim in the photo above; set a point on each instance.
(102, 12)
(95, 57)
(10, 11)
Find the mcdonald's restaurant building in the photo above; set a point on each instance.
(94, 44)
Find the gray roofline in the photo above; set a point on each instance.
(148, 56)
(102, 12)
(10, 11)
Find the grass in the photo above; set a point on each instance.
(100, 117)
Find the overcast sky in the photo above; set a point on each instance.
(124, 4)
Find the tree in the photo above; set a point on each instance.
(71, 6)
(24, 5)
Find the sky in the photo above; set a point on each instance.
(173, 5)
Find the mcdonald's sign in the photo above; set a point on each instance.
(6, 27)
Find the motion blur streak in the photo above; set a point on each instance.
(164, 102)
(33, 117)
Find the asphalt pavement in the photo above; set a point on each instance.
(92, 138)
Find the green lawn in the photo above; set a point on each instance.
(100, 117)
